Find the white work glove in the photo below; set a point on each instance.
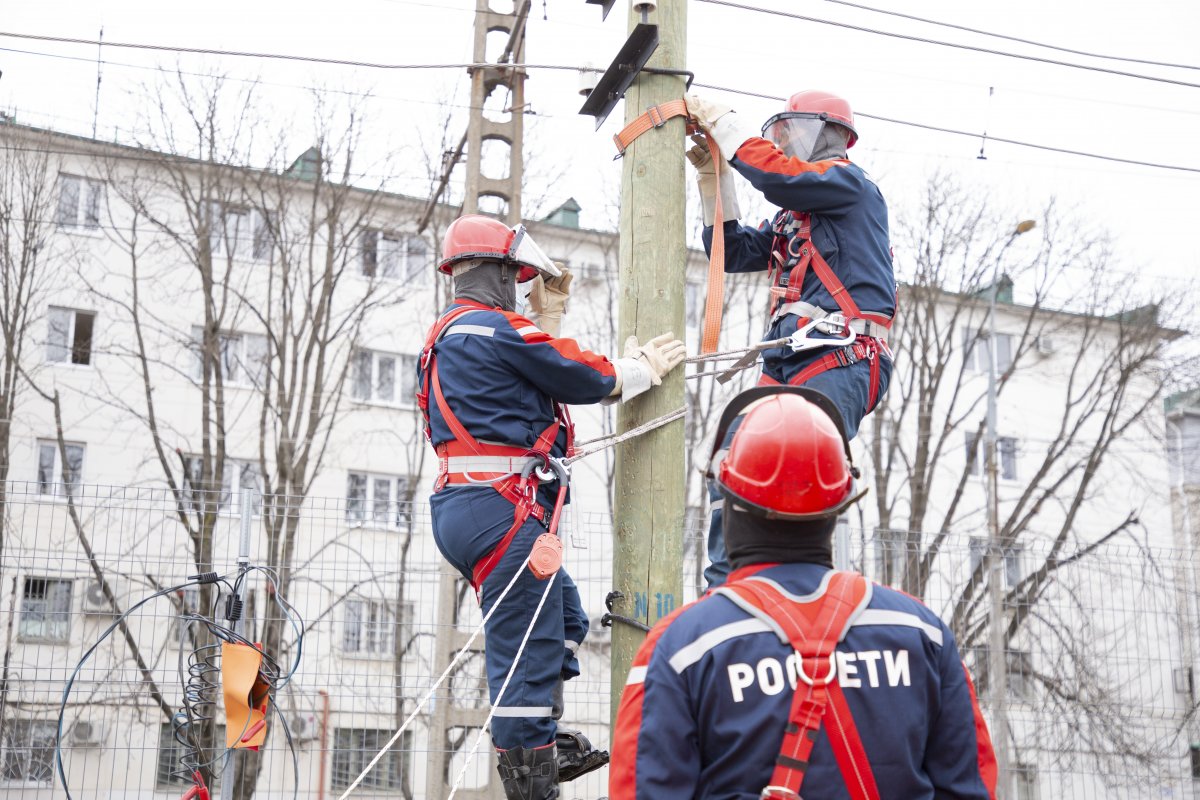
(645, 365)
(720, 122)
(548, 299)
(706, 179)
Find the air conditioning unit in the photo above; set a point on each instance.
(303, 726)
(85, 733)
(94, 601)
(1044, 345)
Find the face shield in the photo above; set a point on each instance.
(527, 255)
(795, 133)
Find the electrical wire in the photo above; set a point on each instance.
(923, 40)
(198, 684)
(952, 131)
(1006, 37)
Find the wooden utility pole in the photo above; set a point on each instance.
(648, 517)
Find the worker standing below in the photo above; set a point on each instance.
(493, 386)
(793, 679)
(827, 253)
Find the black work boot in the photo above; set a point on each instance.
(576, 755)
(529, 774)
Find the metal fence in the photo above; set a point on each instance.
(1099, 701)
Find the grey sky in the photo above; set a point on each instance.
(1150, 212)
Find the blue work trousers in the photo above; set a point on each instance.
(468, 523)
(849, 389)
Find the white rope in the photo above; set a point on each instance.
(613, 439)
(457, 656)
(500, 695)
(727, 355)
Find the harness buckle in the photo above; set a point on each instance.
(799, 340)
(779, 793)
(813, 681)
(656, 117)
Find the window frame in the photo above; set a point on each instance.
(248, 248)
(241, 358)
(167, 754)
(979, 361)
(386, 615)
(69, 347)
(29, 744)
(348, 758)
(371, 260)
(404, 378)
(369, 513)
(91, 200)
(47, 614)
(229, 499)
(58, 481)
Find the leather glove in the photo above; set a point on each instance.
(548, 299)
(706, 179)
(644, 365)
(720, 122)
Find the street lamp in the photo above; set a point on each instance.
(997, 666)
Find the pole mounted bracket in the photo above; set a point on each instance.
(605, 6)
(619, 76)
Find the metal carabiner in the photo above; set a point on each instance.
(799, 340)
(549, 469)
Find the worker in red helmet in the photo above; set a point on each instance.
(794, 679)
(826, 252)
(494, 386)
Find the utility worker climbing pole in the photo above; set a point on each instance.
(494, 387)
(827, 254)
(794, 680)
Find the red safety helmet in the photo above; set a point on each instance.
(789, 458)
(475, 236)
(816, 104)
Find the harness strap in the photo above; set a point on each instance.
(813, 626)
(497, 459)
(714, 302)
(798, 228)
(863, 326)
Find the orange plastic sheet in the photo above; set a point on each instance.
(247, 696)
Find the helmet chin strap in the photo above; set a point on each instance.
(491, 283)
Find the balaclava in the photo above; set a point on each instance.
(754, 539)
(487, 281)
(831, 143)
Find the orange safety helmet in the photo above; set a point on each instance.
(821, 105)
(475, 236)
(790, 458)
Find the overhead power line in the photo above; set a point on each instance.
(991, 138)
(924, 40)
(1008, 38)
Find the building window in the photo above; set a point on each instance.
(370, 627)
(45, 611)
(977, 355)
(170, 772)
(238, 476)
(243, 357)
(1020, 674)
(1006, 451)
(239, 232)
(693, 304)
(29, 750)
(1014, 571)
(79, 201)
(379, 500)
(393, 256)
(383, 377)
(69, 336)
(353, 749)
(55, 479)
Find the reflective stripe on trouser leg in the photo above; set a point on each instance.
(523, 717)
(575, 625)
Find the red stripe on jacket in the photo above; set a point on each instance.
(764, 155)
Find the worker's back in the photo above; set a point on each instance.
(719, 684)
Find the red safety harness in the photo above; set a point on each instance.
(506, 468)
(793, 240)
(812, 626)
